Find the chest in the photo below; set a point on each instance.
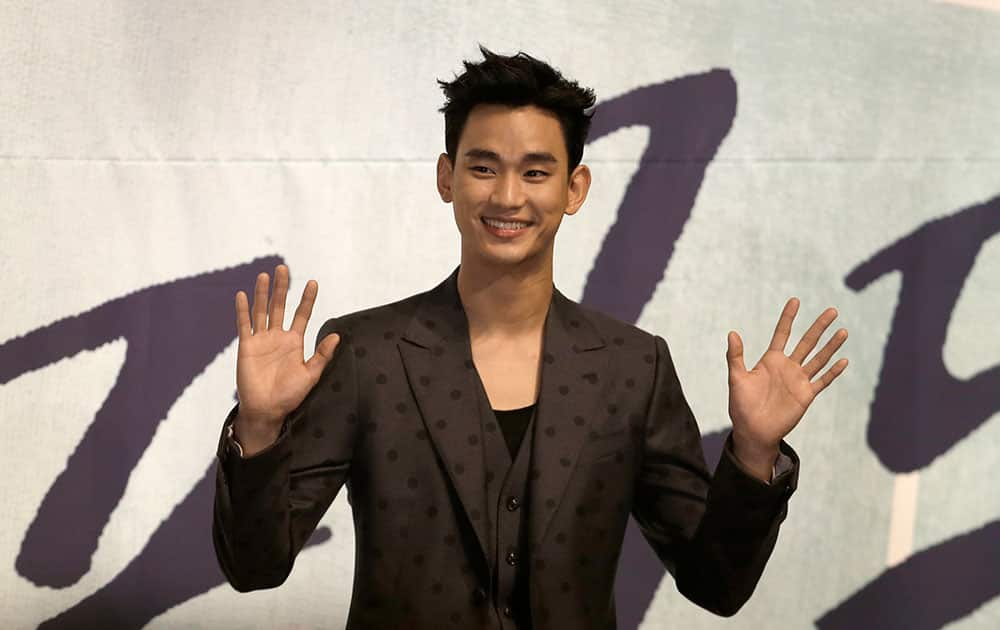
(509, 371)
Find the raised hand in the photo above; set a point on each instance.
(272, 377)
(767, 402)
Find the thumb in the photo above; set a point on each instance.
(734, 353)
(324, 352)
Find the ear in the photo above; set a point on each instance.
(579, 185)
(444, 177)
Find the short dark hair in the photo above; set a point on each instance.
(517, 80)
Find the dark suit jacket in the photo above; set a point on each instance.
(391, 418)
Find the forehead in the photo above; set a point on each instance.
(513, 131)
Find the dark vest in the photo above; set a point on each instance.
(508, 437)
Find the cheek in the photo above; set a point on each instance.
(552, 199)
(466, 213)
(463, 196)
(552, 205)
(552, 222)
(467, 197)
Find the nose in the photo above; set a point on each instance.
(507, 193)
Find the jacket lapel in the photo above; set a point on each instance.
(439, 368)
(572, 396)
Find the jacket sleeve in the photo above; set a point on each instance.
(267, 505)
(714, 534)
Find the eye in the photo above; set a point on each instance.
(540, 173)
(479, 166)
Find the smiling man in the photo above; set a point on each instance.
(510, 179)
(494, 436)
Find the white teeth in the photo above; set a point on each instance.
(505, 225)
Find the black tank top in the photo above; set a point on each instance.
(513, 423)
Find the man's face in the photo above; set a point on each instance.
(510, 165)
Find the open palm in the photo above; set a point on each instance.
(272, 377)
(767, 402)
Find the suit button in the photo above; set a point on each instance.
(507, 612)
(513, 503)
(479, 595)
(512, 558)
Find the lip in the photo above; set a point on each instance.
(504, 234)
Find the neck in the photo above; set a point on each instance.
(505, 300)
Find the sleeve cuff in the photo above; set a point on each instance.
(734, 478)
(247, 473)
(233, 444)
(782, 465)
(230, 451)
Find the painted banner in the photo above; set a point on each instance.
(154, 157)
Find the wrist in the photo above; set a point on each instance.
(255, 435)
(758, 458)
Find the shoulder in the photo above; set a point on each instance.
(633, 356)
(382, 322)
(616, 333)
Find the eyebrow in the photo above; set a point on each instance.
(533, 156)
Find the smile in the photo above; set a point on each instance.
(505, 229)
(505, 225)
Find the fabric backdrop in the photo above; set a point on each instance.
(155, 156)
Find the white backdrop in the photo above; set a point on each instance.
(146, 142)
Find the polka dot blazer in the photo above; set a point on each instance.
(396, 418)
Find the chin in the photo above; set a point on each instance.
(512, 256)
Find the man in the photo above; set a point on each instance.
(494, 436)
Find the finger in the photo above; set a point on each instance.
(734, 353)
(260, 303)
(242, 316)
(824, 381)
(276, 318)
(304, 311)
(784, 327)
(817, 362)
(324, 352)
(811, 338)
